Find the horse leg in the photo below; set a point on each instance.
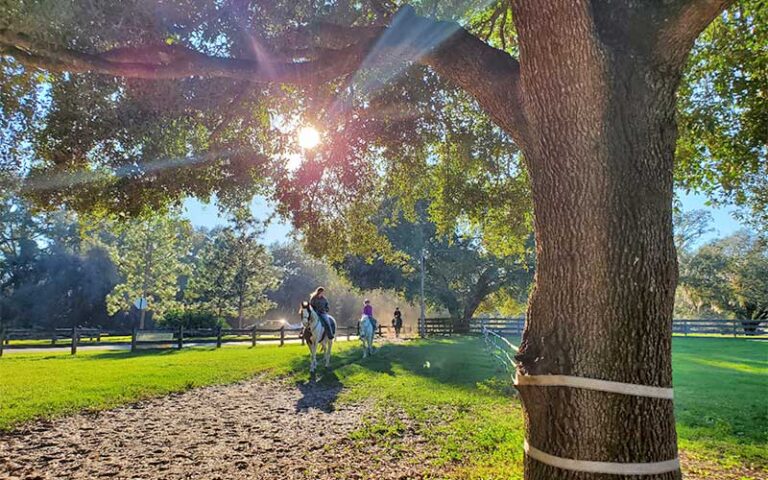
(312, 357)
(328, 352)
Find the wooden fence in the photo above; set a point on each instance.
(513, 327)
(158, 338)
(710, 327)
(74, 337)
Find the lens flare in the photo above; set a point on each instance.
(309, 137)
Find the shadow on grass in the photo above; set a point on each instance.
(459, 362)
(319, 392)
(144, 352)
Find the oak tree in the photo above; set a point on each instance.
(586, 90)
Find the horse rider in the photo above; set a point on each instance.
(368, 311)
(320, 305)
(397, 321)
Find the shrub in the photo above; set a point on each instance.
(191, 319)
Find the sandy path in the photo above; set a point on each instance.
(254, 429)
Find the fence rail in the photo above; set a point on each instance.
(735, 328)
(500, 347)
(18, 339)
(513, 327)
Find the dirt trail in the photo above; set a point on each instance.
(255, 429)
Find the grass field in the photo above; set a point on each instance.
(451, 389)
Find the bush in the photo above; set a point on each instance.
(191, 319)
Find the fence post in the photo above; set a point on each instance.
(2, 339)
(218, 338)
(98, 337)
(380, 334)
(253, 336)
(53, 337)
(181, 337)
(734, 329)
(73, 350)
(282, 335)
(685, 327)
(134, 334)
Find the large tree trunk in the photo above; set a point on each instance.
(600, 149)
(470, 307)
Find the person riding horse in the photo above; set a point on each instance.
(397, 321)
(368, 311)
(320, 305)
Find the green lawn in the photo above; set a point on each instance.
(452, 390)
(721, 392)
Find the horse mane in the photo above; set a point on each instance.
(307, 306)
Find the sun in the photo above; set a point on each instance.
(309, 137)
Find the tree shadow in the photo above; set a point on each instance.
(379, 362)
(143, 352)
(459, 362)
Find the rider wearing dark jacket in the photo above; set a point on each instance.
(320, 305)
(397, 321)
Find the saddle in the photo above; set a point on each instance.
(306, 334)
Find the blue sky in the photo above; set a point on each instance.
(207, 215)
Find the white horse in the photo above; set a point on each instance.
(318, 337)
(365, 327)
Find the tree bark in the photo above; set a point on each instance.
(600, 109)
(479, 293)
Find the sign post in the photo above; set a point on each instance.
(141, 304)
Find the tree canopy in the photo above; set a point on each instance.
(724, 112)
(48, 278)
(197, 99)
(459, 274)
(149, 253)
(728, 276)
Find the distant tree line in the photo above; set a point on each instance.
(61, 270)
(726, 277)
(57, 270)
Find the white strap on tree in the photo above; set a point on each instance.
(594, 384)
(609, 468)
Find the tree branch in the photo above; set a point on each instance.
(689, 19)
(490, 75)
(174, 62)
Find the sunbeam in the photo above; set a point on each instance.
(82, 177)
(405, 41)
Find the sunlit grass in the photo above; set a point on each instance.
(721, 393)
